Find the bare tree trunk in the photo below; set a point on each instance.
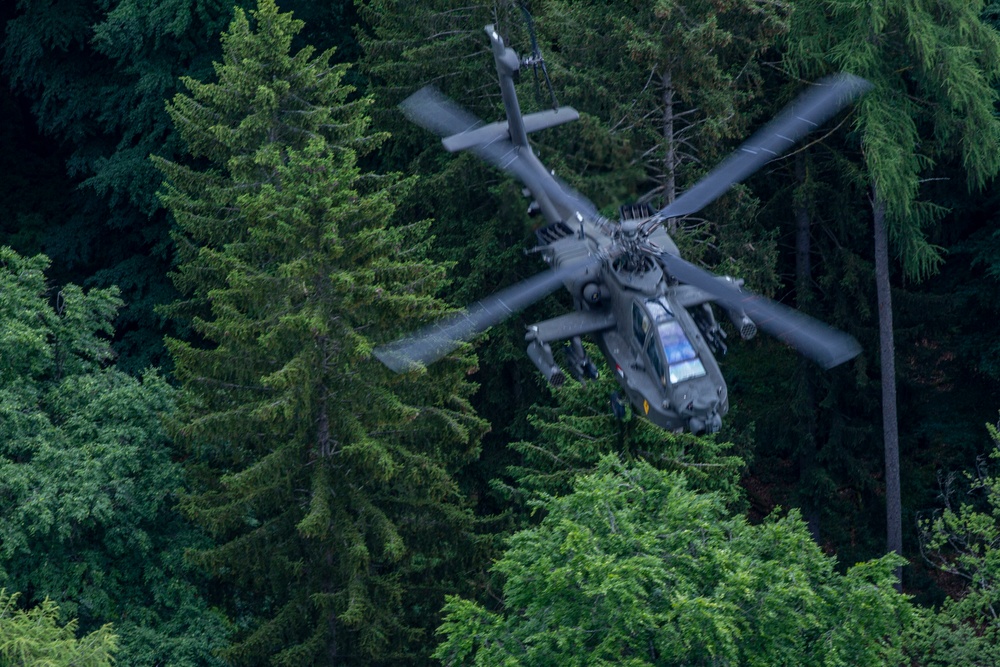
(890, 428)
(670, 158)
(806, 400)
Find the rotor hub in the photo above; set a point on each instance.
(631, 239)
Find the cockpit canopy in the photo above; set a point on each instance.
(666, 345)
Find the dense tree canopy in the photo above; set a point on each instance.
(634, 568)
(88, 477)
(291, 219)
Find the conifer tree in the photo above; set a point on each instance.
(326, 480)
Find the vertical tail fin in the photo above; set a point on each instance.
(507, 65)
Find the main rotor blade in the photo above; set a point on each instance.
(441, 338)
(820, 342)
(432, 110)
(813, 108)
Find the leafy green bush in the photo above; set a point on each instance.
(634, 568)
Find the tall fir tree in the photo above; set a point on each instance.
(326, 480)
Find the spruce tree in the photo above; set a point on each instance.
(326, 479)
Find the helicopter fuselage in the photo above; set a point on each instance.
(641, 324)
(649, 310)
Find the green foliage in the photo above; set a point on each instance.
(635, 568)
(326, 479)
(670, 91)
(34, 637)
(87, 479)
(934, 66)
(963, 540)
(672, 80)
(96, 75)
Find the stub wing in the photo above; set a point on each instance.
(570, 325)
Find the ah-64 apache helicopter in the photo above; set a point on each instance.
(647, 308)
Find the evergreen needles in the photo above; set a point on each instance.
(327, 481)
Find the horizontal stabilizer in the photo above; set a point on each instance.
(488, 134)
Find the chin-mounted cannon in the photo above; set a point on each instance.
(702, 416)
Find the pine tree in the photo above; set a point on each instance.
(327, 480)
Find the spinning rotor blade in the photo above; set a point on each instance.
(432, 110)
(439, 339)
(811, 109)
(820, 342)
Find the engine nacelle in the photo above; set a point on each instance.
(541, 355)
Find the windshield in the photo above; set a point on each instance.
(682, 359)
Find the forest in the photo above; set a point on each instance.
(212, 214)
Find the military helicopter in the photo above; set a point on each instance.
(647, 309)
